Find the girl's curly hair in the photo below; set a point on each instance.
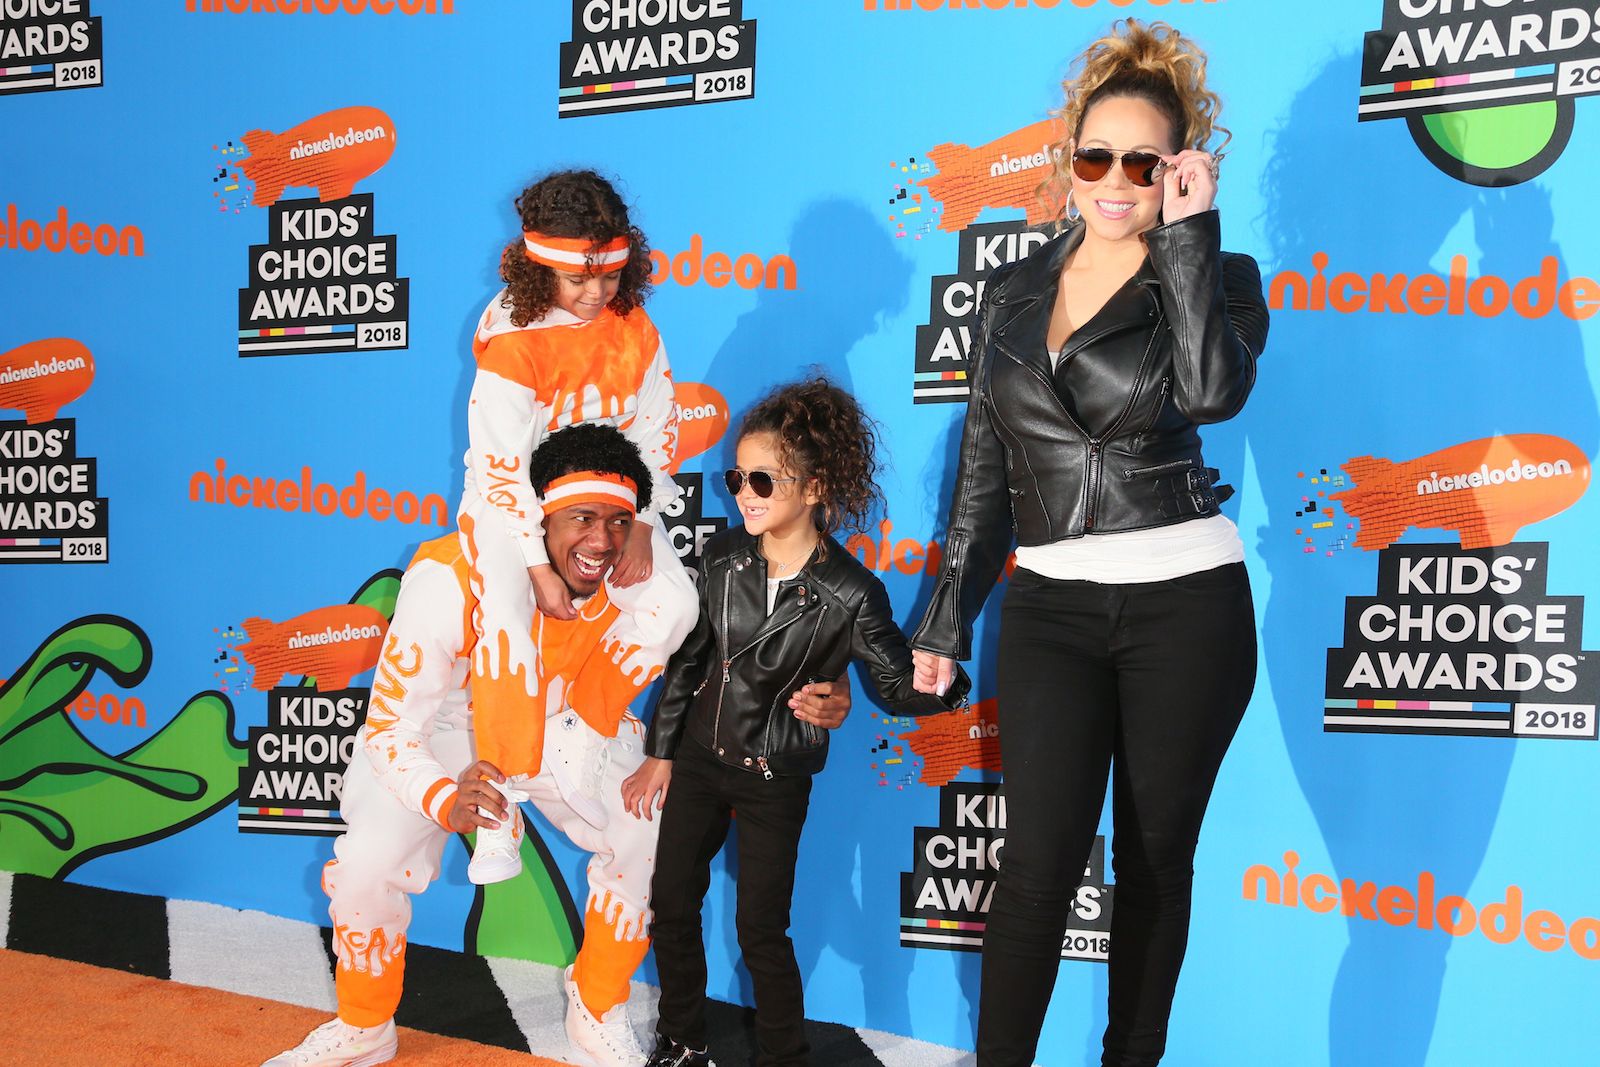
(1149, 61)
(823, 434)
(571, 203)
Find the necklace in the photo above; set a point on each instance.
(804, 555)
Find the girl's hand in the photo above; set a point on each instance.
(645, 790)
(1189, 185)
(550, 592)
(931, 673)
(637, 560)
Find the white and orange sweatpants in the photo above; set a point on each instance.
(657, 614)
(389, 853)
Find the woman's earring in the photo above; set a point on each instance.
(1073, 214)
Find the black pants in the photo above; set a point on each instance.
(1148, 681)
(694, 824)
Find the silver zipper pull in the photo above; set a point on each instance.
(725, 665)
(761, 761)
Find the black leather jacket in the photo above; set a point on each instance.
(731, 680)
(1108, 441)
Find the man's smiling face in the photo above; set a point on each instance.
(583, 542)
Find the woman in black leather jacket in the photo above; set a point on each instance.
(1127, 634)
(781, 604)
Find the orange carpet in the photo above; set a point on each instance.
(68, 1014)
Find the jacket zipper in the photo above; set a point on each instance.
(727, 660)
(1160, 468)
(766, 747)
(1091, 482)
(1161, 402)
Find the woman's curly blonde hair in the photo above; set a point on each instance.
(1151, 62)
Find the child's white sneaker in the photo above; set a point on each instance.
(338, 1044)
(497, 853)
(608, 1041)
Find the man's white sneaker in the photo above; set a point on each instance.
(497, 853)
(338, 1044)
(578, 758)
(608, 1041)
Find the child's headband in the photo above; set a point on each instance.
(576, 255)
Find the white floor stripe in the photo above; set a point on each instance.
(539, 1006)
(5, 907)
(896, 1051)
(249, 952)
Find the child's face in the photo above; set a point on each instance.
(586, 295)
(789, 509)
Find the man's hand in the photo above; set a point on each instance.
(550, 592)
(645, 790)
(477, 802)
(823, 704)
(637, 559)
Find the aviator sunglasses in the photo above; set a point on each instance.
(1141, 168)
(761, 482)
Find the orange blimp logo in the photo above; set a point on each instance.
(1004, 173)
(42, 377)
(1486, 491)
(331, 645)
(702, 420)
(329, 153)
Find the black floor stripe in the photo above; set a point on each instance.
(452, 994)
(731, 1034)
(119, 931)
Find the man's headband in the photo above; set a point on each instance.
(590, 487)
(576, 255)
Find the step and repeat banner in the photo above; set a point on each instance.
(243, 244)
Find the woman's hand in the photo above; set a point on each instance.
(1189, 185)
(645, 790)
(931, 673)
(477, 802)
(550, 592)
(637, 559)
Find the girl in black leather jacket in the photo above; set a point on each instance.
(781, 603)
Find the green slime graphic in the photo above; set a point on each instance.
(1495, 138)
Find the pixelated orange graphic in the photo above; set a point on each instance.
(947, 743)
(328, 153)
(331, 645)
(702, 420)
(1485, 491)
(1005, 172)
(42, 377)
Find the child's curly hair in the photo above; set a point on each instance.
(822, 433)
(571, 203)
(1152, 62)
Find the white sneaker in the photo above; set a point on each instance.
(338, 1044)
(608, 1041)
(497, 853)
(578, 759)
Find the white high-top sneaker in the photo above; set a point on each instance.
(497, 853)
(338, 1044)
(608, 1041)
(578, 758)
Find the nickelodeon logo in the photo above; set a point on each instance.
(42, 377)
(1003, 173)
(1485, 490)
(1502, 922)
(1485, 296)
(331, 645)
(59, 235)
(322, 7)
(906, 555)
(702, 420)
(328, 153)
(749, 271)
(354, 501)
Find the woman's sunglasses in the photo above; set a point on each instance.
(761, 483)
(1141, 168)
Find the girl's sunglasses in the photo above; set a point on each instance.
(1141, 168)
(761, 483)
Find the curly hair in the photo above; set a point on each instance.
(589, 447)
(1152, 62)
(571, 203)
(822, 433)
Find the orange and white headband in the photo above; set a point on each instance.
(590, 487)
(576, 255)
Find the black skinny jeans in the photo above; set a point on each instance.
(1148, 681)
(694, 824)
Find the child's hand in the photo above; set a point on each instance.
(645, 790)
(550, 592)
(637, 560)
(823, 704)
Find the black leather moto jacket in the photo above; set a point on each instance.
(1108, 440)
(730, 682)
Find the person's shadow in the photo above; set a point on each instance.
(1336, 386)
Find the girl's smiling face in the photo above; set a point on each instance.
(586, 295)
(790, 507)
